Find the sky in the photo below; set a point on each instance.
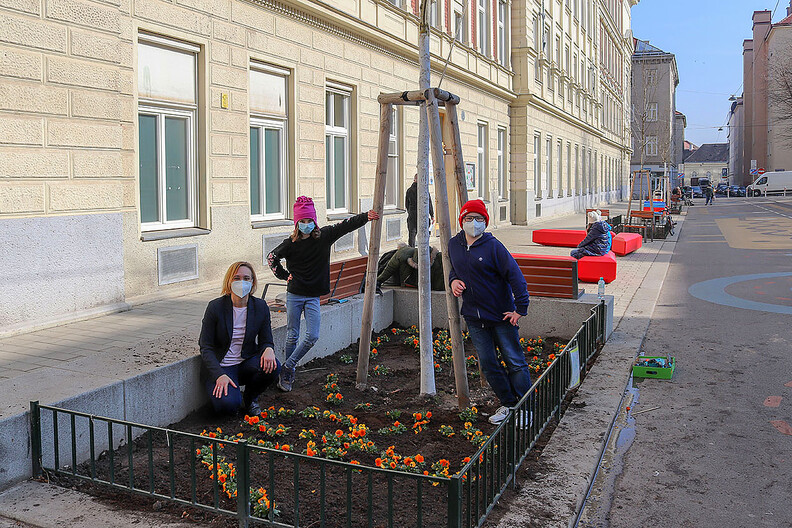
(706, 36)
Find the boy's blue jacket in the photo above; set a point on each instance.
(493, 281)
(598, 238)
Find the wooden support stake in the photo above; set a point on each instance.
(386, 111)
(443, 219)
(456, 145)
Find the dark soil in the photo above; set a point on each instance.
(398, 390)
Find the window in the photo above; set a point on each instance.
(651, 77)
(537, 44)
(268, 140)
(560, 149)
(481, 160)
(549, 167)
(651, 111)
(537, 167)
(482, 26)
(167, 104)
(558, 52)
(569, 169)
(435, 13)
(503, 184)
(337, 124)
(503, 40)
(393, 176)
(651, 146)
(460, 28)
(577, 169)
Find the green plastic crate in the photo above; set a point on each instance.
(642, 371)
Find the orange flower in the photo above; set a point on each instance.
(310, 452)
(285, 447)
(354, 462)
(428, 415)
(419, 459)
(551, 357)
(378, 462)
(212, 435)
(222, 478)
(339, 433)
(418, 417)
(466, 460)
(443, 462)
(373, 350)
(338, 396)
(393, 465)
(262, 428)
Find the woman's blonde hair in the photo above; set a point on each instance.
(229, 277)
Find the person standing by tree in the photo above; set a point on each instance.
(411, 203)
(494, 298)
(307, 254)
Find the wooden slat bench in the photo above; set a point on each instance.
(347, 278)
(550, 275)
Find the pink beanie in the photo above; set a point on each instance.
(304, 208)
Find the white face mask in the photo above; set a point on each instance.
(241, 288)
(474, 228)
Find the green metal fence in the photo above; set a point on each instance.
(121, 454)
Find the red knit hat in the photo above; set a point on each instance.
(304, 208)
(474, 206)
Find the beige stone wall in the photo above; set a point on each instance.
(66, 108)
(68, 111)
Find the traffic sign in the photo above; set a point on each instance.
(761, 171)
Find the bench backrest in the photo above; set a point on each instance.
(550, 277)
(346, 278)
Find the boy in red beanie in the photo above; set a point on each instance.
(307, 254)
(494, 297)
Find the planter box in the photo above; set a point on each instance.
(642, 370)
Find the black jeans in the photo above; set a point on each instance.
(247, 373)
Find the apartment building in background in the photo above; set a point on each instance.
(145, 146)
(761, 132)
(657, 128)
(569, 121)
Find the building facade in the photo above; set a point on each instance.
(760, 135)
(657, 128)
(145, 146)
(710, 161)
(569, 129)
(736, 145)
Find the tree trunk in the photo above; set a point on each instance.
(422, 239)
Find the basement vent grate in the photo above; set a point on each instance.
(538, 210)
(503, 214)
(177, 264)
(345, 243)
(393, 229)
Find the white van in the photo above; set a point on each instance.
(771, 183)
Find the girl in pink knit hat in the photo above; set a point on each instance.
(307, 254)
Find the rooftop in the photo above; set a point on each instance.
(710, 153)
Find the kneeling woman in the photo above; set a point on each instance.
(236, 344)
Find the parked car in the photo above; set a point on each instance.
(697, 192)
(721, 189)
(736, 190)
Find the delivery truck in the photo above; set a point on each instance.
(771, 183)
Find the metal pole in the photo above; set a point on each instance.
(243, 484)
(35, 434)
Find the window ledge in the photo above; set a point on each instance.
(150, 236)
(259, 224)
(394, 211)
(339, 216)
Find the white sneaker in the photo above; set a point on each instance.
(499, 415)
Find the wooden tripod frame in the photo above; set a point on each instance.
(431, 99)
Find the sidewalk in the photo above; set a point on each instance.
(165, 331)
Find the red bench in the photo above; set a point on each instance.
(590, 269)
(550, 275)
(625, 243)
(559, 237)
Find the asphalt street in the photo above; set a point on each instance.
(713, 446)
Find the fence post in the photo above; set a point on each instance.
(455, 502)
(243, 484)
(35, 437)
(601, 316)
(560, 364)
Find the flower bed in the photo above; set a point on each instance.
(325, 418)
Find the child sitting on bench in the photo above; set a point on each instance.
(598, 238)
